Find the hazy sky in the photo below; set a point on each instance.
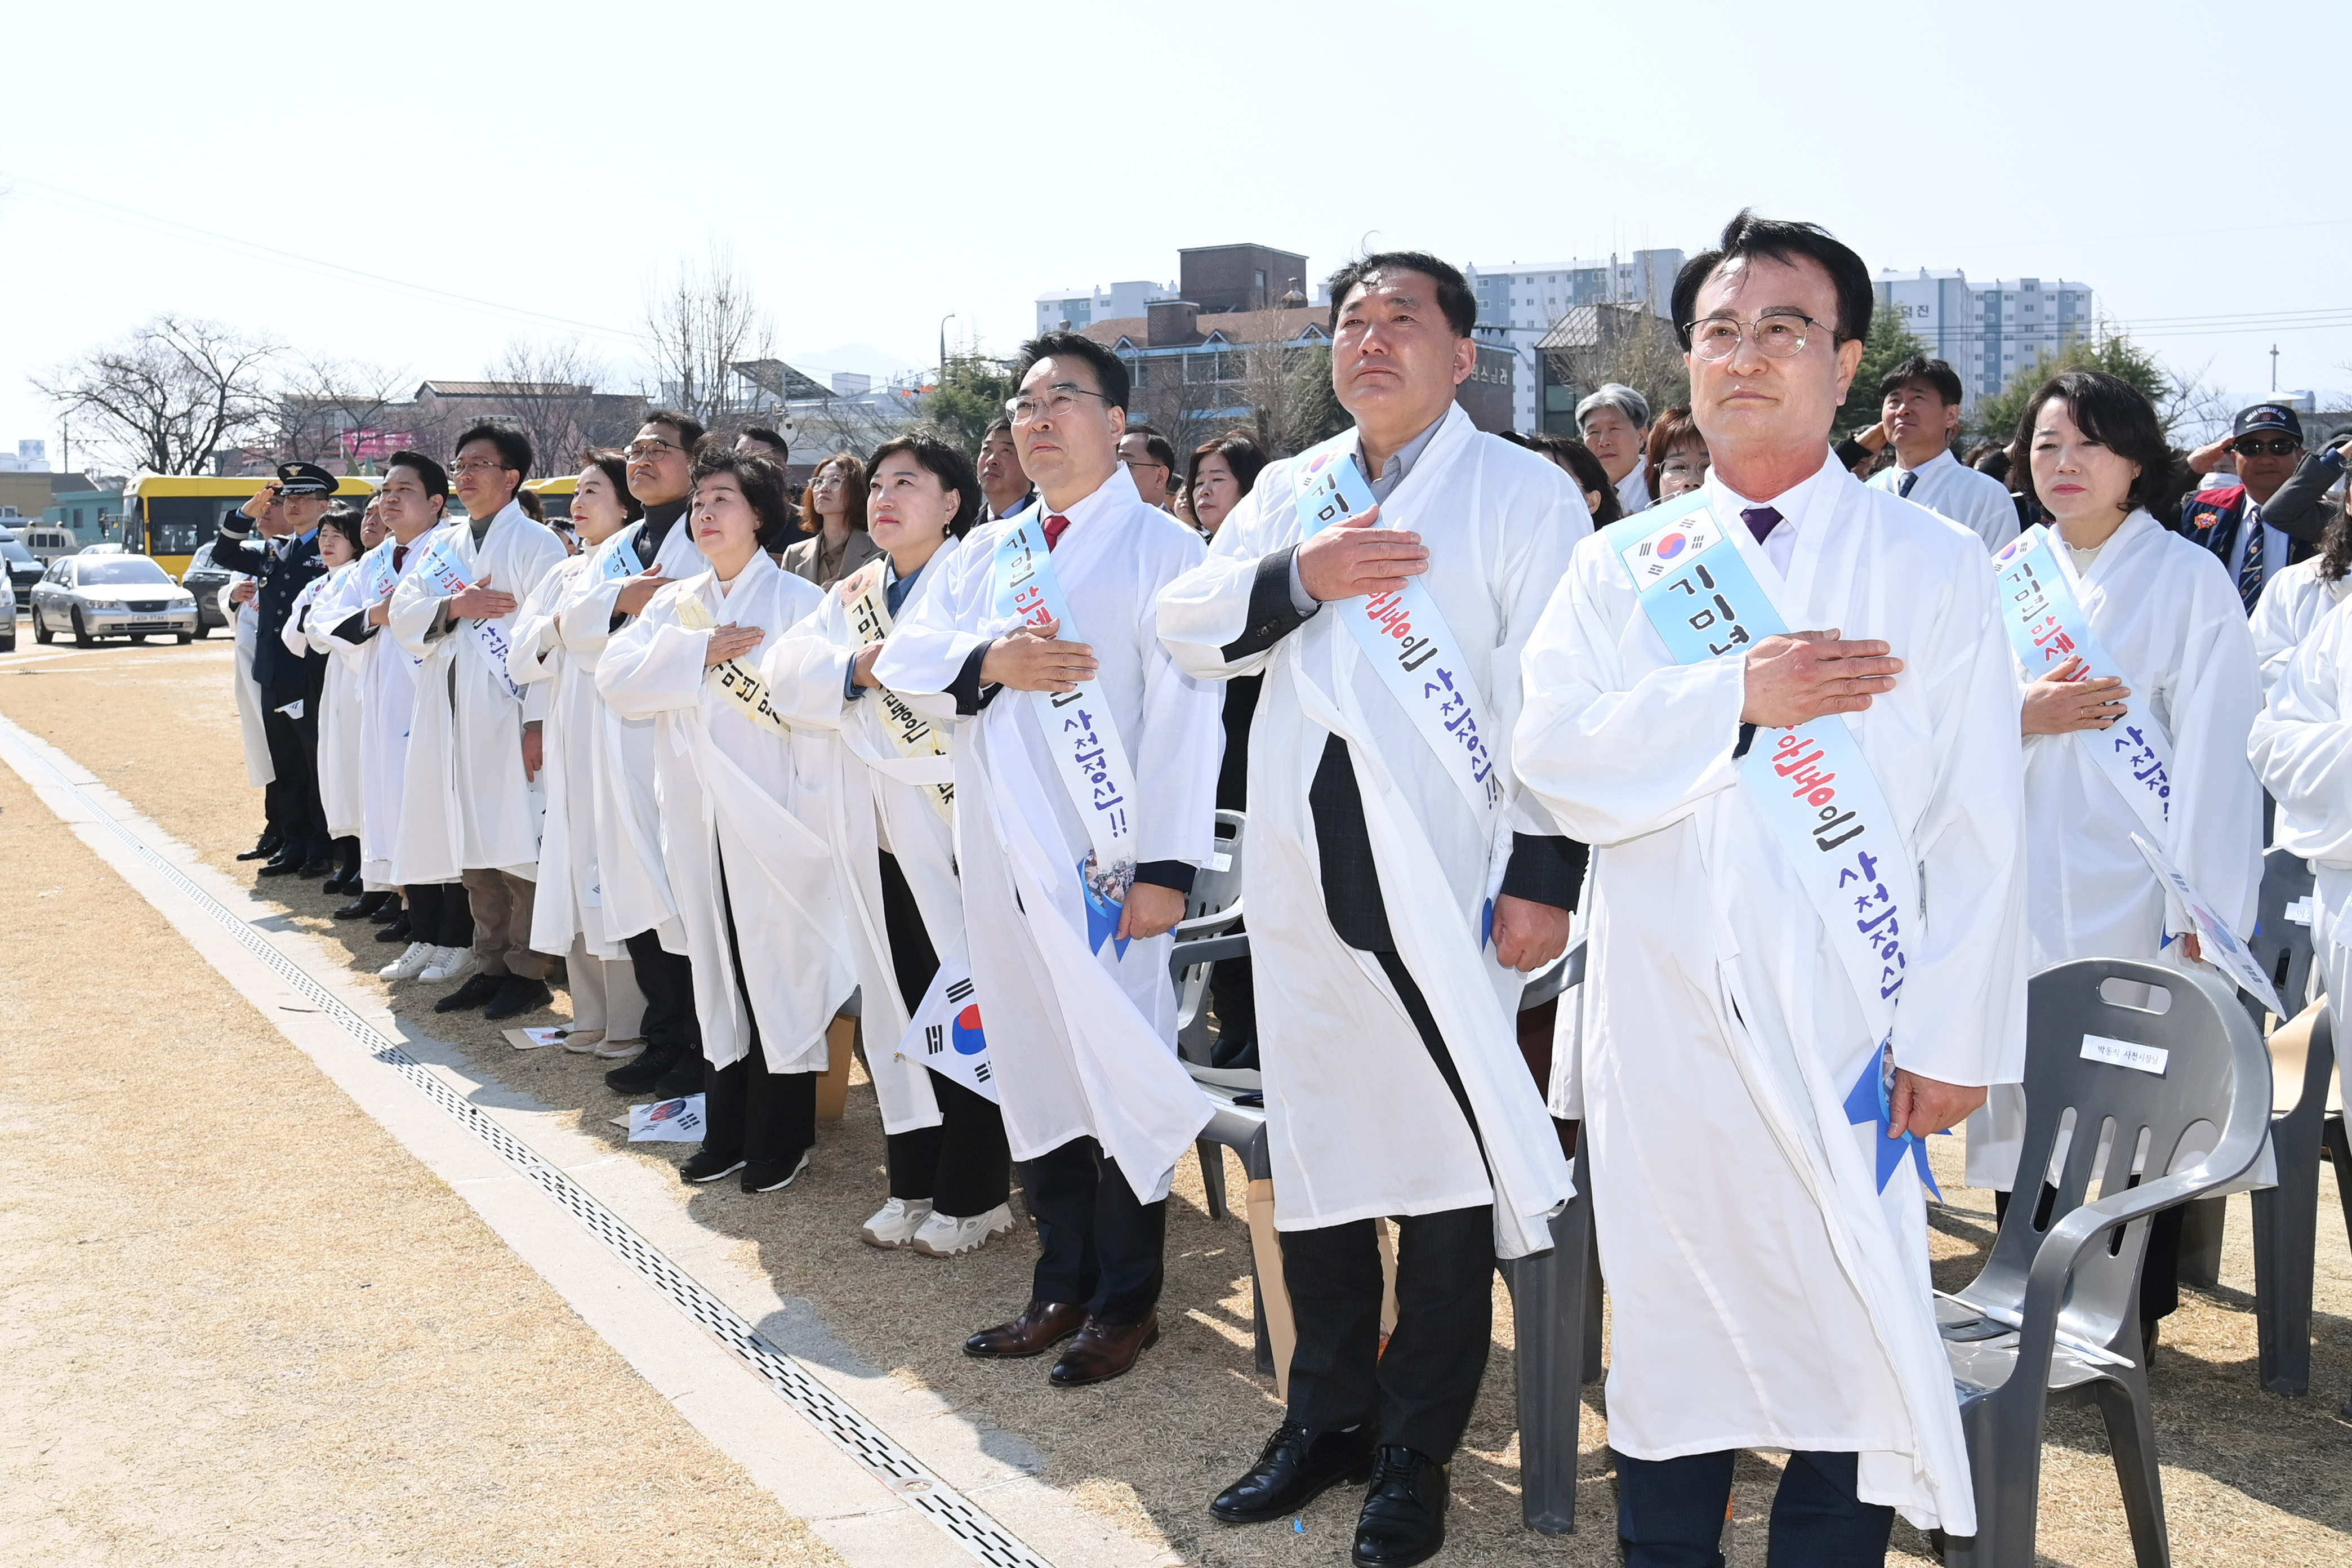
(492, 171)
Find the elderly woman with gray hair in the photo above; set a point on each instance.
(1615, 423)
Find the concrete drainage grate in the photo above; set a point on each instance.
(841, 1423)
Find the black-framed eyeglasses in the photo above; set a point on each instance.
(1777, 334)
(644, 451)
(1057, 402)
(2254, 445)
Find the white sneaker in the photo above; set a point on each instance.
(454, 963)
(940, 1236)
(895, 1222)
(411, 963)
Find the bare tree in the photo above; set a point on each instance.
(324, 405)
(171, 395)
(550, 389)
(702, 326)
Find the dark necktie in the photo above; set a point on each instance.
(1761, 521)
(1904, 488)
(1053, 527)
(2250, 570)
(399, 556)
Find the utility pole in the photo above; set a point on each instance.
(2275, 367)
(943, 345)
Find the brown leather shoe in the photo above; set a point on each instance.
(1041, 1326)
(1103, 1350)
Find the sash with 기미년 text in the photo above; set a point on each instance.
(744, 691)
(448, 578)
(1404, 635)
(1809, 782)
(2047, 626)
(1080, 732)
(864, 597)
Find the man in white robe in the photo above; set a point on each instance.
(470, 800)
(1919, 413)
(1394, 1084)
(1080, 1013)
(1762, 1229)
(639, 910)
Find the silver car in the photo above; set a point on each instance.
(95, 596)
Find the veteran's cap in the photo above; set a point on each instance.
(2267, 416)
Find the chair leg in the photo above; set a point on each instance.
(2201, 1243)
(2004, 1438)
(2131, 1436)
(2286, 1241)
(1546, 1303)
(2339, 1152)
(1213, 1175)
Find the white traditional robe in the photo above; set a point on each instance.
(2293, 602)
(245, 626)
(568, 901)
(1958, 493)
(624, 817)
(1773, 1297)
(387, 703)
(465, 802)
(2167, 613)
(876, 799)
(1354, 1115)
(1083, 1045)
(733, 792)
(310, 628)
(2301, 746)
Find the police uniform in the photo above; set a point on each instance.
(285, 567)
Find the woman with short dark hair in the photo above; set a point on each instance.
(2141, 658)
(1676, 460)
(832, 522)
(1224, 470)
(331, 677)
(742, 825)
(891, 802)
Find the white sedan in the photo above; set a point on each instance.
(96, 596)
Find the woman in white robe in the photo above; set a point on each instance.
(889, 786)
(2165, 611)
(2301, 746)
(567, 914)
(2297, 598)
(742, 822)
(309, 631)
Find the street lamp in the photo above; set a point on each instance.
(943, 346)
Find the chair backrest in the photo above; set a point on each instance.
(1214, 888)
(2281, 946)
(2145, 1071)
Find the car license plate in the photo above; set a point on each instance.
(149, 626)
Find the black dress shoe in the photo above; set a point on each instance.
(517, 995)
(397, 931)
(1403, 1521)
(338, 883)
(640, 1074)
(318, 868)
(684, 1078)
(363, 907)
(477, 991)
(263, 847)
(285, 864)
(1296, 1467)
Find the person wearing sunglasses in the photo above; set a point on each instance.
(2255, 530)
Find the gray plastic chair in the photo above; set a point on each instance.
(1205, 938)
(2055, 1315)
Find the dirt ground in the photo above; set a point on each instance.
(2248, 1477)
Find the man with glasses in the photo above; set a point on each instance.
(639, 908)
(1397, 884)
(1006, 489)
(1150, 463)
(1784, 706)
(469, 806)
(287, 511)
(1085, 775)
(2277, 512)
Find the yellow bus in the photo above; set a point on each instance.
(170, 517)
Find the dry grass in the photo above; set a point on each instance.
(2250, 1478)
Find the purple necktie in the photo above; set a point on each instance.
(1761, 521)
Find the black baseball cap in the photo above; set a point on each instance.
(2267, 416)
(305, 479)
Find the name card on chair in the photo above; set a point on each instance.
(2124, 1054)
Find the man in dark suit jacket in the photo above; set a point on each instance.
(286, 560)
(2278, 485)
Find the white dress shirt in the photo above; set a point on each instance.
(1958, 493)
(1797, 505)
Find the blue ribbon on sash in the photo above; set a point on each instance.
(1810, 783)
(1080, 731)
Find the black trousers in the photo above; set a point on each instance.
(1421, 1390)
(666, 979)
(1096, 1246)
(440, 913)
(1670, 1513)
(754, 1113)
(291, 800)
(962, 1165)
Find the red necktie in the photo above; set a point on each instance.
(1053, 527)
(399, 554)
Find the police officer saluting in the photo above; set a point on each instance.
(286, 560)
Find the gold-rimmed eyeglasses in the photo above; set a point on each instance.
(1777, 334)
